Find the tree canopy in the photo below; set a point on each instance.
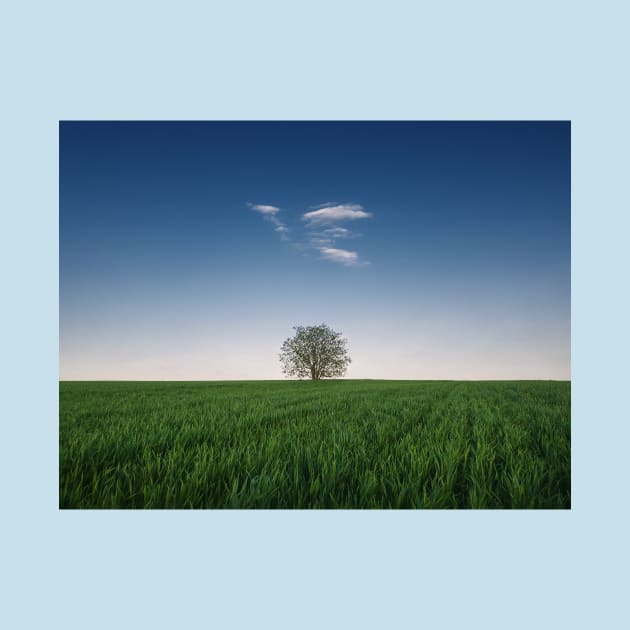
(314, 352)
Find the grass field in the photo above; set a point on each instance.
(327, 444)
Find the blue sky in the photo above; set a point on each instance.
(188, 250)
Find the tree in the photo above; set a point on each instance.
(314, 352)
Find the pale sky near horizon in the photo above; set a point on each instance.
(189, 250)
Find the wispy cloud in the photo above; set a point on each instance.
(325, 230)
(330, 215)
(342, 256)
(338, 232)
(264, 209)
(321, 229)
(326, 204)
(269, 213)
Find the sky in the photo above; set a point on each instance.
(189, 250)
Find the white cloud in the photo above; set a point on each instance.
(326, 204)
(264, 209)
(269, 213)
(321, 229)
(282, 229)
(342, 256)
(331, 214)
(338, 232)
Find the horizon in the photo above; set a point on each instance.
(188, 250)
(323, 380)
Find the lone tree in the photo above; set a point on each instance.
(314, 352)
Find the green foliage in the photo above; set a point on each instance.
(314, 352)
(299, 444)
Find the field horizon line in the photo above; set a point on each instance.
(328, 380)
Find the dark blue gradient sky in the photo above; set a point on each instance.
(168, 270)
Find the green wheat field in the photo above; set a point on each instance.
(326, 444)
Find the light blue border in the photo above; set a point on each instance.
(282, 60)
